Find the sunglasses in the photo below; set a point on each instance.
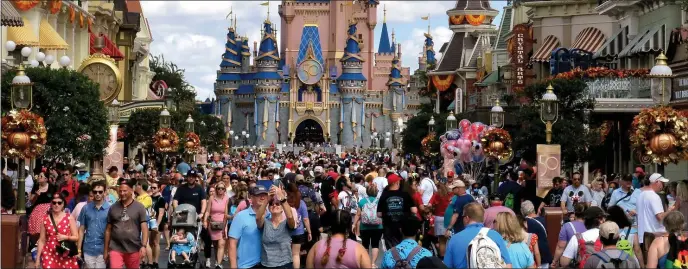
(57, 202)
(221, 189)
(98, 192)
(275, 204)
(66, 174)
(153, 188)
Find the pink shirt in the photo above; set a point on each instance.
(348, 261)
(491, 214)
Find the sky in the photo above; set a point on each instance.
(192, 34)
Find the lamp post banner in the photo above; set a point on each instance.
(548, 165)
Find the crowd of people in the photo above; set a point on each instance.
(325, 210)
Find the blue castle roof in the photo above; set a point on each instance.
(268, 45)
(395, 78)
(352, 54)
(231, 57)
(429, 51)
(384, 46)
(310, 40)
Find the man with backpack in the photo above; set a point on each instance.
(485, 249)
(394, 206)
(610, 256)
(408, 253)
(584, 244)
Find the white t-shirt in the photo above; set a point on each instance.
(28, 184)
(361, 191)
(571, 250)
(427, 187)
(347, 199)
(648, 206)
(381, 183)
(77, 212)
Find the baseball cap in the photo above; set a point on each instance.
(192, 173)
(393, 178)
(657, 177)
(609, 230)
(80, 166)
(259, 189)
(450, 174)
(594, 212)
(456, 184)
(639, 170)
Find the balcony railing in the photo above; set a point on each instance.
(626, 88)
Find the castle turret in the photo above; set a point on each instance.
(267, 88)
(228, 78)
(384, 46)
(351, 84)
(396, 85)
(428, 47)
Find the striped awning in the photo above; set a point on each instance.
(10, 16)
(590, 40)
(49, 39)
(544, 53)
(23, 35)
(651, 38)
(110, 48)
(614, 45)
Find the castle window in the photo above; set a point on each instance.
(360, 37)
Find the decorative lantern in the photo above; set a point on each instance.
(497, 115)
(113, 112)
(549, 111)
(165, 119)
(189, 124)
(451, 121)
(660, 82)
(22, 90)
(431, 124)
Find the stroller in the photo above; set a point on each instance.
(184, 216)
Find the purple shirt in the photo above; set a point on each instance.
(491, 214)
(301, 213)
(570, 229)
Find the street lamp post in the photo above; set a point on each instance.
(549, 111)
(497, 115)
(230, 136)
(431, 124)
(190, 126)
(164, 123)
(388, 136)
(660, 85)
(451, 121)
(21, 97)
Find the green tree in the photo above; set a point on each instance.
(69, 102)
(569, 131)
(208, 127)
(142, 126)
(182, 94)
(417, 129)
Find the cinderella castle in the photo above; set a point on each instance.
(323, 82)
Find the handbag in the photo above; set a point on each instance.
(217, 225)
(64, 248)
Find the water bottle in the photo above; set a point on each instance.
(34, 251)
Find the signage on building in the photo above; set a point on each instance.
(548, 164)
(522, 44)
(679, 89)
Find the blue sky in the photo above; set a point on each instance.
(192, 33)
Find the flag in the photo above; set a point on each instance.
(265, 3)
(425, 17)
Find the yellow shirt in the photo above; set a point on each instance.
(145, 200)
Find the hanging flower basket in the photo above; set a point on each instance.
(661, 133)
(23, 134)
(166, 140)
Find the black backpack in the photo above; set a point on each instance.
(404, 263)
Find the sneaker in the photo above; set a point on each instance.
(207, 263)
(218, 266)
(226, 258)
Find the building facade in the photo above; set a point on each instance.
(323, 82)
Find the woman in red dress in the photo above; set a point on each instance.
(50, 238)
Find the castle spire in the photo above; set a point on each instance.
(352, 62)
(384, 46)
(384, 14)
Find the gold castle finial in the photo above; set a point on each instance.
(384, 14)
(235, 22)
(229, 16)
(428, 23)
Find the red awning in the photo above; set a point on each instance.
(110, 48)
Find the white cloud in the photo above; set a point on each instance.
(411, 11)
(413, 47)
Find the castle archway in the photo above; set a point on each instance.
(309, 131)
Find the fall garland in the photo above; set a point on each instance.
(442, 82)
(23, 134)
(602, 72)
(653, 123)
(496, 143)
(425, 144)
(55, 6)
(26, 5)
(193, 143)
(166, 140)
(456, 19)
(475, 20)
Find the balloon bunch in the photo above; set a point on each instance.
(462, 150)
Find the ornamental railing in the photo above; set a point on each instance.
(628, 87)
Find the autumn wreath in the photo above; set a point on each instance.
(661, 133)
(23, 134)
(193, 143)
(496, 143)
(166, 140)
(426, 144)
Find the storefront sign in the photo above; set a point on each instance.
(548, 164)
(679, 89)
(522, 44)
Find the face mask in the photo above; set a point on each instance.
(276, 177)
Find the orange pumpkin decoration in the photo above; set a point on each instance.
(663, 144)
(19, 140)
(496, 146)
(165, 143)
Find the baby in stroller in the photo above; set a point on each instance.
(182, 243)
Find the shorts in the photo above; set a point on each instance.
(439, 226)
(299, 239)
(179, 249)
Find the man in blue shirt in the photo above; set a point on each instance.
(626, 197)
(407, 246)
(183, 167)
(244, 236)
(472, 217)
(462, 199)
(93, 220)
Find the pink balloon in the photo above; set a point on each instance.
(490, 128)
(464, 123)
